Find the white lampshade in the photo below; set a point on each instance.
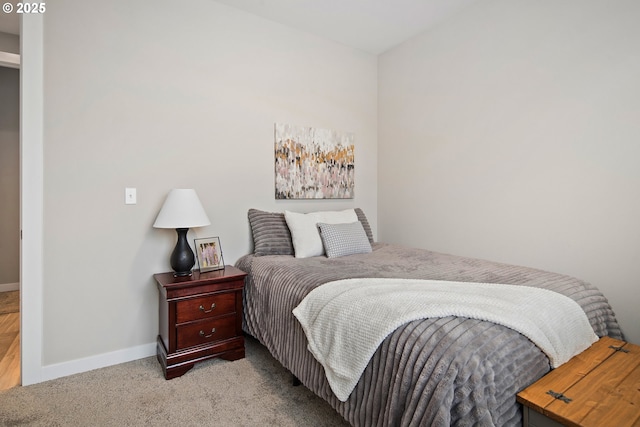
(182, 209)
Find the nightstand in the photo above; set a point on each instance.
(200, 318)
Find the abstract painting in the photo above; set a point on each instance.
(313, 163)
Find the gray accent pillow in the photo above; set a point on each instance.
(344, 239)
(365, 224)
(271, 236)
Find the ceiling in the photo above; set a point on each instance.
(370, 25)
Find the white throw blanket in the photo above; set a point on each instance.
(345, 321)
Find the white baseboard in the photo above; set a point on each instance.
(6, 287)
(57, 370)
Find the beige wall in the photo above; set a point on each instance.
(505, 133)
(9, 43)
(9, 176)
(173, 97)
(510, 132)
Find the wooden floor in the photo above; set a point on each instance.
(9, 350)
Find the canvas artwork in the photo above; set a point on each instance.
(313, 163)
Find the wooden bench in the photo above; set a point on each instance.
(597, 388)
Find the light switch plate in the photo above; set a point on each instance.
(130, 196)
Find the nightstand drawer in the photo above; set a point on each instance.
(205, 307)
(206, 331)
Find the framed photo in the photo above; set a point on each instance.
(209, 254)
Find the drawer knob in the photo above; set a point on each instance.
(213, 305)
(213, 331)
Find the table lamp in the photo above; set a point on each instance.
(182, 210)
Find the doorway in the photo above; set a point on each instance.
(31, 34)
(9, 211)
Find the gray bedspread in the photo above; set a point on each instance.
(430, 372)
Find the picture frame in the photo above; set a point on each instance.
(209, 254)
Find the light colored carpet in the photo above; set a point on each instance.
(255, 391)
(9, 302)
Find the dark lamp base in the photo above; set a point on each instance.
(182, 274)
(182, 259)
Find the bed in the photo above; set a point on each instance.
(428, 372)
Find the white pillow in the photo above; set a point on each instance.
(304, 229)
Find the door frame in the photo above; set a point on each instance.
(31, 197)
